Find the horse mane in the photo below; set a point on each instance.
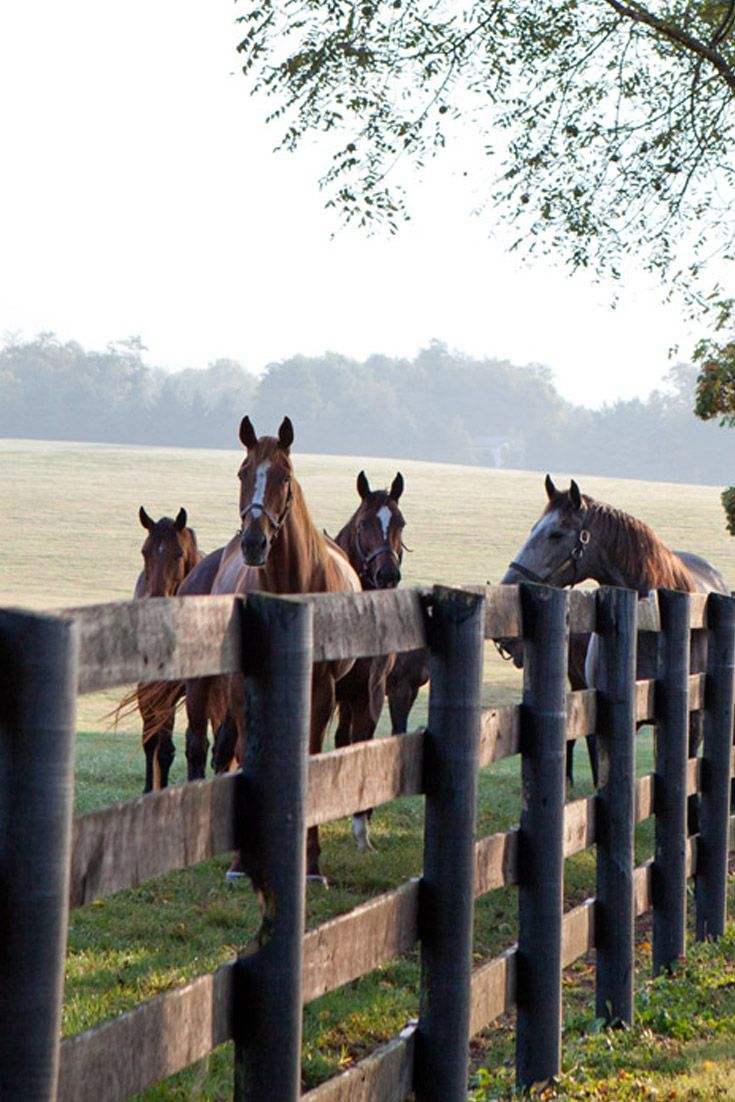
(192, 554)
(636, 549)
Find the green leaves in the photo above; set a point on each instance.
(616, 120)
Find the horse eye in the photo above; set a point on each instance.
(556, 535)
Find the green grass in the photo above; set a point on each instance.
(71, 536)
(680, 1046)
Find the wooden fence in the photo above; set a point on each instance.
(49, 861)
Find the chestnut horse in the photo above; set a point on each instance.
(372, 539)
(170, 554)
(279, 550)
(577, 537)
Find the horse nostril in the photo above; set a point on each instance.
(388, 577)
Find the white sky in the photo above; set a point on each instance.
(140, 196)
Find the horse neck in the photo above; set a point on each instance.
(192, 554)
(345, 539)
(626, 552)
(297, 561)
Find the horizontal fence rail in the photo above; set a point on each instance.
(175, 638)
(180, 638)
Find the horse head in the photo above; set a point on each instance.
(552, 554)
(169, 553)
(266, 489)
(376, 531)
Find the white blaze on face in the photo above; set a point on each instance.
(261, 477)
(384, 516)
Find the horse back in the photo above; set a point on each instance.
(199, 581)
(706, 577)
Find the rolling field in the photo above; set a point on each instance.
(71, 536)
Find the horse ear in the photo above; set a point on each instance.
(550, 488)
(180, 521)
(145, 520)
(285, 434)
(247, 433)
(363, 486)
(575, 495)
(396, 487)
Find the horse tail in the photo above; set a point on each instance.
(156, 702)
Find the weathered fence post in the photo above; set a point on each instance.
(672, 752)
(447, 890)
(541, 834)
(267, 1027)
(38, 664)
(615, 803)
(712, 848)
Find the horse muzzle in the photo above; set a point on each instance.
(387, 576)
(254, 546)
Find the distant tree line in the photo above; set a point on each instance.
(442, 405)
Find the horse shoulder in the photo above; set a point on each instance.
(230, 574)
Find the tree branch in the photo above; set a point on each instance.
(639, 14)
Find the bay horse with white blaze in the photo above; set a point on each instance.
(577, 538)
(278, 549)
(170, 554)
(372, 539)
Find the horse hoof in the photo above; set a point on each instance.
(317, 878)
(232, 875)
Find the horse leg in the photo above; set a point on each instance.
(149, 739)
(197, 713)
(225, 740)
(367, 706)
(343, 734)
(696, 735)
(591, 741)
(165, 751)
(322, 706)
(401, 699)
(164, 755)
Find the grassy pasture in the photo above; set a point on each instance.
(71, 537)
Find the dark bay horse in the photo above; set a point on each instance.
(170, 554)
(372, 539)
(278, 549)
(577, 538)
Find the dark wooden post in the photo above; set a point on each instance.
(712, 847)
(615, 805)
(38, 664)
(541, 836)
(672, 751)
(277, 646)
(447, 890)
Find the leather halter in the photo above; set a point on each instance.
(367, 559)
(583, 538)
(276, 523)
